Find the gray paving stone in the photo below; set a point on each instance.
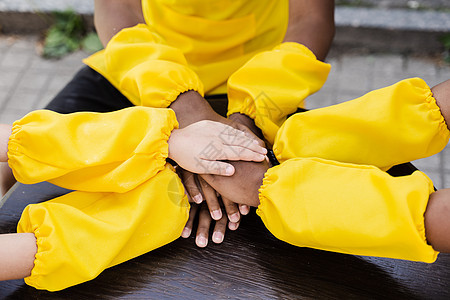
(15, 60)
(347, 95)
(420, 66)
(382, 80)
(58, 81)
(22, 100)
(33, 81)
(8, 78)
(438, 180)
(45, 98)
(388, 63)
(322, 98)
(432, 162)
(11, 115)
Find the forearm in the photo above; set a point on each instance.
(5, 132)
(111, 16)
(191, 107)
(311, 23)
(17, 253)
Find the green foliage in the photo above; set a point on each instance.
(91, 43)
(445, 40)
(67, 34)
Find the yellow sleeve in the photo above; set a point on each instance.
(273, 84)
(383, 128)
(347, 208)
(81, 234)
(144, 68)
(100, 152)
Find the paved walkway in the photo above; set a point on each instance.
(28, 82)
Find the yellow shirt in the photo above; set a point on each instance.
(215, 37)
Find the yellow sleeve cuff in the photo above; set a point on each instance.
(101, 152)
(347, 208)
(383, 128)
(81, 234)
(273, 84)
(146, 70)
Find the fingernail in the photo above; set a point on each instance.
(234, 218)
(198, 198)
(229, 170)
(244, 209)
(232, 226)
(186, 232)
(216, 214)
(201, 241)
(217, 237)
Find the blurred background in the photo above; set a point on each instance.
(377, 43)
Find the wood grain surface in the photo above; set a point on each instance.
(249, 264)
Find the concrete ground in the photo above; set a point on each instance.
(28, 82)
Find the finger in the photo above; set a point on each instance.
(191, 186)
(204, 221)
(211, 199)
(250, 134)
(219, 230)
(233, 226)
(189, 224)
(244, 209)
(239, 153)
(232, 210)
(216, 167)
(244, 142)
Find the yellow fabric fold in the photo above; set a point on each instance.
(144, 68)
(81, 234)
(99, 152)
(385, 127)
(273, 84)
(347, 208)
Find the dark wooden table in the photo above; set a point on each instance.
(250, 263)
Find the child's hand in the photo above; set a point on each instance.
(200, 146)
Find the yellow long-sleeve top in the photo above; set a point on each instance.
(189, 45)
(98, 152)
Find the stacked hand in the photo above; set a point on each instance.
(201, 144)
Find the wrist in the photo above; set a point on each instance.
(191, 107)
(246, 121)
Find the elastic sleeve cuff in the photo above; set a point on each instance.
(273, 84)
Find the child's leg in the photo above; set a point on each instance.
(17, 251)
